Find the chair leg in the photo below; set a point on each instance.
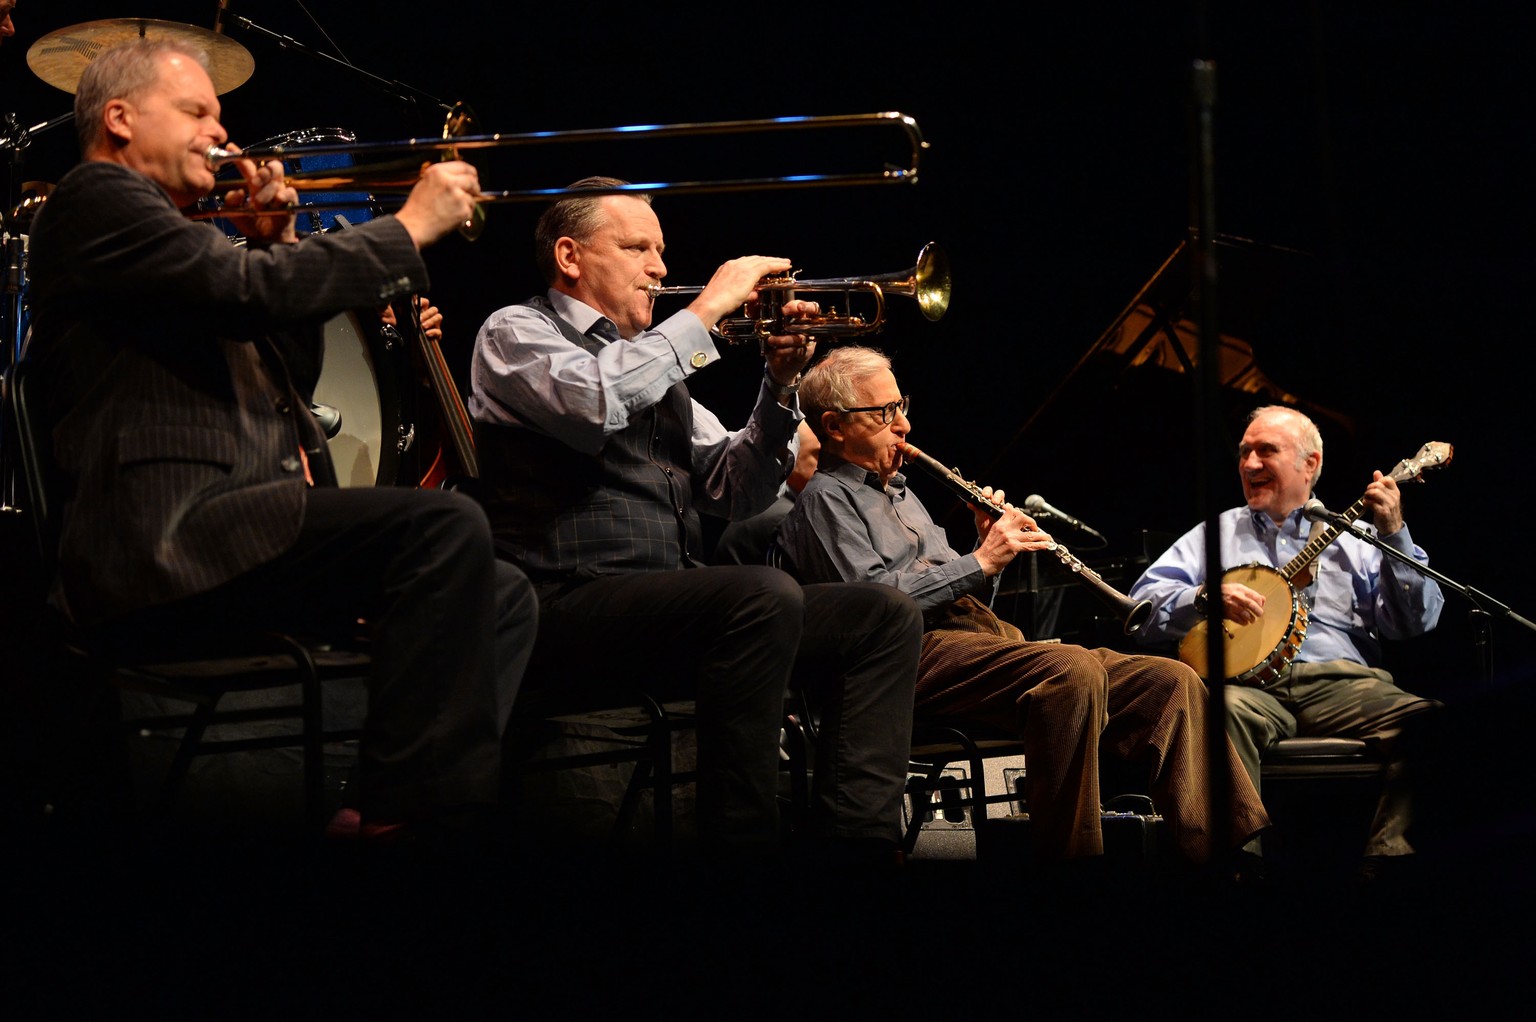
(660, 741)
(798, 747)
(920, 794)
(186, 751)
(639, 780)
(314, 750)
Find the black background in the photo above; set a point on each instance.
(1390, 147)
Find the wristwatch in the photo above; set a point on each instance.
(780, 391)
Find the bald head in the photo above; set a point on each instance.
(1279, 460)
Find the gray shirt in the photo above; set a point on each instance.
(846, 527)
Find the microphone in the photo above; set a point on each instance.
(1036, 506)
(1315, 511)
(218, 19)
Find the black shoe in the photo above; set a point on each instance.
(1378, 870)
(1246, 869)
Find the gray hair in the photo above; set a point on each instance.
(578, 217)
(122, 72)
(1308, 438)
(829, 384)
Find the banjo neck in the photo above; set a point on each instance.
(1297, 570)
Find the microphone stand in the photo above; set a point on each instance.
(15, 140)
(406, 94)
(1484, 607)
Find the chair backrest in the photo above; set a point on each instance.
(775, 557)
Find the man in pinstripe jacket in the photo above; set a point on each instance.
(196, 488)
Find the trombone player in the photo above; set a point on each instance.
(173, 373)
(594, 465)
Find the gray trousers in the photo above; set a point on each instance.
(1332, 699)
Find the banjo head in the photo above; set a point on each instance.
(1252, 645)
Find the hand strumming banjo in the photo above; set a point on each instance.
(1256, 653)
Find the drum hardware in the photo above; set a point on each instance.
(928, 282)
(329, 419)
(1132, 613)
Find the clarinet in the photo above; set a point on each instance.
(1132, 613)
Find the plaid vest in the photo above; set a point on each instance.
(565, 517)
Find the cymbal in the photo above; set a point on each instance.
(59, 58)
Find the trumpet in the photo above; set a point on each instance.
(928, 282)
(1132, 613)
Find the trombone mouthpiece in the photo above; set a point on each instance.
(216, 157)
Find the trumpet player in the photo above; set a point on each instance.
(594, 463)
(856, 521)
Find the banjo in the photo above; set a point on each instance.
(1256, 653)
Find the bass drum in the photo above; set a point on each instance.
(363, 376)
(363, 373)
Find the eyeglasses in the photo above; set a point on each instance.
(887, 411)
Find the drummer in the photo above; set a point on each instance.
(174, 371)
(7, 27)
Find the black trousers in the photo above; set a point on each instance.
(731, 638)
(451, 629)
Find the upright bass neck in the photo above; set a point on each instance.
(453, 415)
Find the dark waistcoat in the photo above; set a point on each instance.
(566, 517)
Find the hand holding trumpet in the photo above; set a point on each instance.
(733, 286)
(787, 354)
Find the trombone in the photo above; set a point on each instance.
(928, 281)
(402, 173)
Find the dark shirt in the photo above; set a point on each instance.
(846, 527)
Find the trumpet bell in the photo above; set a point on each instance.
(933, 282)
(929, 283)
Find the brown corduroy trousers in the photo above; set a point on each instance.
(1069, 704)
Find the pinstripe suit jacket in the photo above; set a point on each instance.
(176, 370)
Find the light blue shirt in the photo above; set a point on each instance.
(1358, 595)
